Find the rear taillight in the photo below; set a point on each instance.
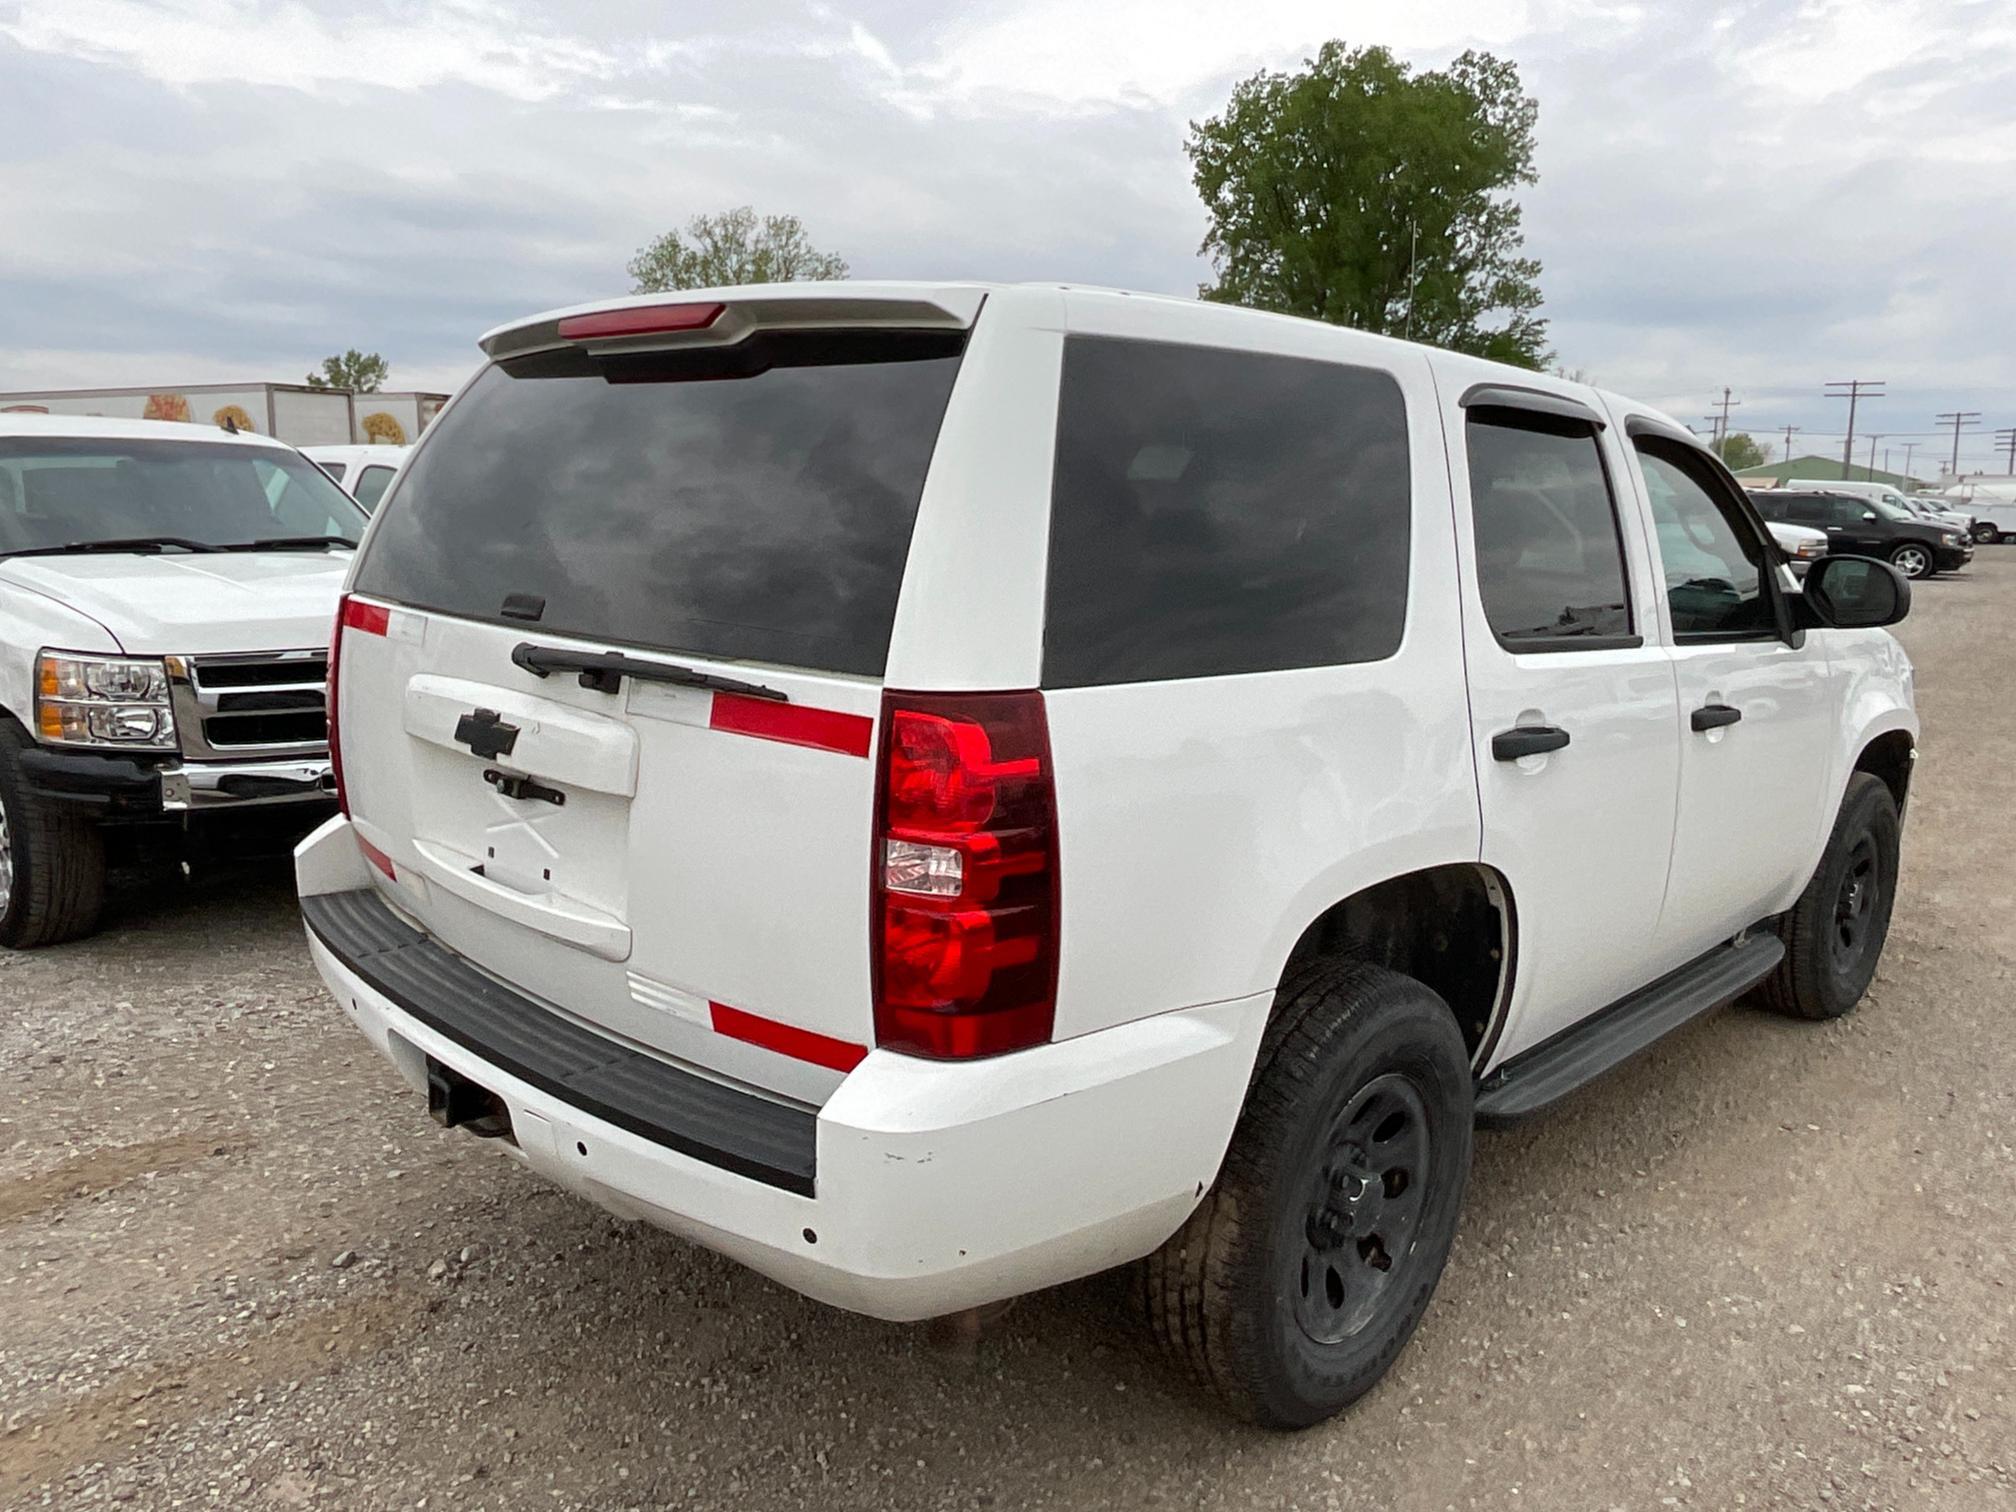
(966, 880)
(351, 614)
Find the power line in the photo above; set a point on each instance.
(1959, 418)
(2006, 437)
(1854, 390)
(1790, 431)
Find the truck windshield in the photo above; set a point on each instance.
(108, 493)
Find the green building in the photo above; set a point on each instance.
(1830, 469)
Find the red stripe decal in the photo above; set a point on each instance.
(372, 619)
(376, 857)
(821, 729)
(799, 1044)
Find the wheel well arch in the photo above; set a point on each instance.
(1890, 756)
(1452, 927)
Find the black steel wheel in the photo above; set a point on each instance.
(1834, 934)
(1309, 1263)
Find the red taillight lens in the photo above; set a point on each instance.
(372, 619)
(643, 320)
(965, 875)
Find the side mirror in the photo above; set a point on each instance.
(1868, 514)
(1854, 593)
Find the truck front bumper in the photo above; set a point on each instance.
(137, 787)
(920, 1188)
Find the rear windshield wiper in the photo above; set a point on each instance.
(604, 671)
(292, 543)
(126, 543)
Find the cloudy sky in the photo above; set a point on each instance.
(1767, 194)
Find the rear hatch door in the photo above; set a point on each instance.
(613, 725)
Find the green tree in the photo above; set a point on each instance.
(360, 372)
(1360, 192)
(734, 247)
(1742, 450)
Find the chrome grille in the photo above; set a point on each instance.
(260, 704)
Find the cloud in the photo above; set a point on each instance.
(1763, 193)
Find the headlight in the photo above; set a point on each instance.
(1812, 549)
(103, 701)
(1949, 538)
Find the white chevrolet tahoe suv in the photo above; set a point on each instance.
(165, 598)
(937, 791)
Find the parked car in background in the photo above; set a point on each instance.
(1803, 545)
(1958, 519)
(1272, 749)
(1857, 525)
(166, 593)
(365, 472)
(1994, 517)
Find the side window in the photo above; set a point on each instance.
(1217, 512)
(371, 485)
(1714, 565)
(1550, 561)
(334, 469)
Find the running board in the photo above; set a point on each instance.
(1539, 1077)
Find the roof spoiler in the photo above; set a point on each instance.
(724, 317)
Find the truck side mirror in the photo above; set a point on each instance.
(1854, 593)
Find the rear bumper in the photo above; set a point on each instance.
(927, 1187)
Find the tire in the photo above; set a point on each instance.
(1272, 1294)
(1984, 533)
(52, 860)
(1912, 559)
(1822, 977)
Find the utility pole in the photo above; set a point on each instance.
(1961, 419)
(1789, 430)
(1909, 447)
(1413, 268)
(1723, 450)
(2006, 439)
(1874, 437)
(1854, 390)
(1714, 433)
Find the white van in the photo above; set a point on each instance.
(937, 790)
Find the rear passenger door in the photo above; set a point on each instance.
(1756, 716)
(1572, 706)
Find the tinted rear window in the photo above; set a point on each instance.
(752, 502)
(1220, 512)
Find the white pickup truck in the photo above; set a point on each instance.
(934, 791)
(166, 595)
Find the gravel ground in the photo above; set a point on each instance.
(1767, 1265)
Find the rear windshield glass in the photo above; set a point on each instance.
(1217, 512)
(753, 502)
(105, 492)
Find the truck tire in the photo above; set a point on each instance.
(52, 860)
(1984, 533)
(1302, 1274)
(1834, 934)
(1912, 559)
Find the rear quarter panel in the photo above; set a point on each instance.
(1206, 823)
